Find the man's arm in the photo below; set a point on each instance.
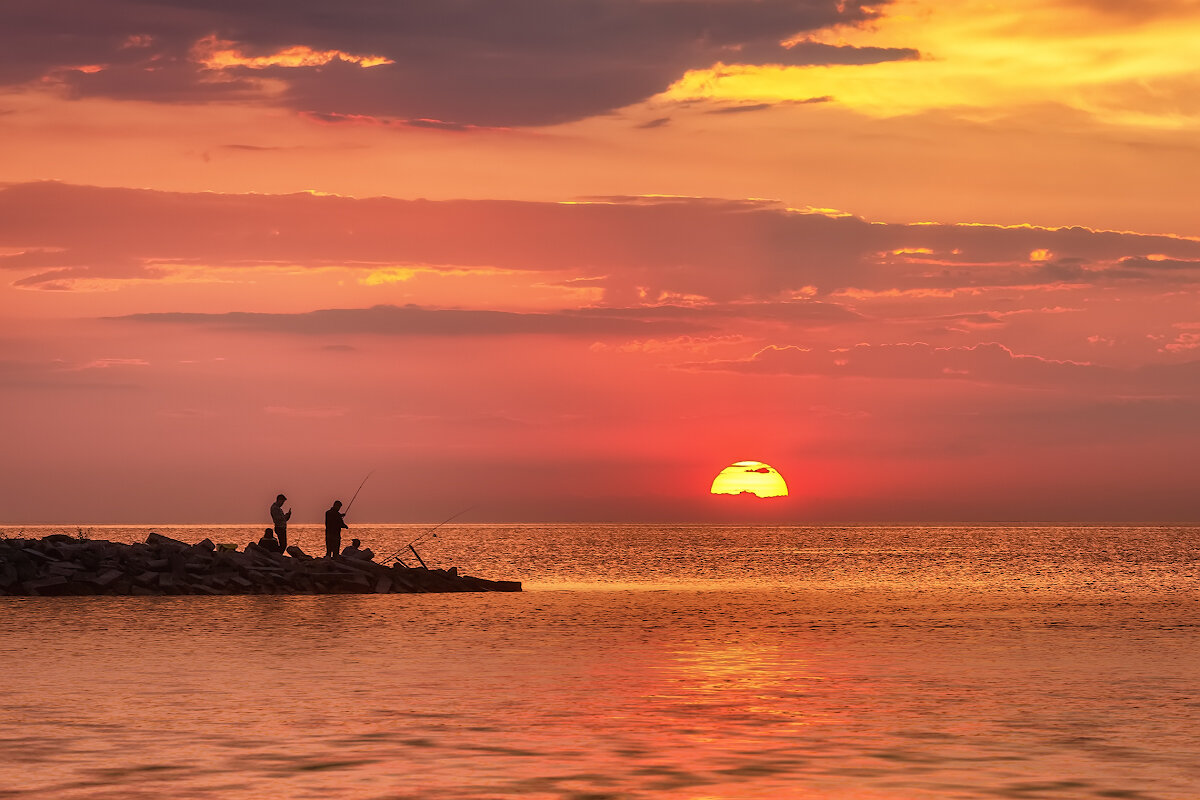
(288, 515)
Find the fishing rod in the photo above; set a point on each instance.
(356, 491)
(432, 532)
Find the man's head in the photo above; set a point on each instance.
(280, 499)
(337, 504)
(269, 532)
(355, 542)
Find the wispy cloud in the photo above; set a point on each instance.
(645, 249)
(386, 320)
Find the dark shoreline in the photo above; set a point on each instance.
(61, 565)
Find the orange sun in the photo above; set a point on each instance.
(750, 477)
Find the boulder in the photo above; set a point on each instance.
(164, 541)
(51, 585)
(65, 565)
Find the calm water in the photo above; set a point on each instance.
(641, 662)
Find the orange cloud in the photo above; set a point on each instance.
(216, 53)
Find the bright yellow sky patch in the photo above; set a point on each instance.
(1130, 68)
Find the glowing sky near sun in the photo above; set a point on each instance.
(931, 261)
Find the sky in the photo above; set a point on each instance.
(564, 260)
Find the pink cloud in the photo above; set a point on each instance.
(636, 249)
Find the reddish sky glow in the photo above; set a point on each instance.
(934, 262)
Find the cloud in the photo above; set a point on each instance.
(654, 123)
(67, 376)
(742, 109)
(386, 320)
(469, 62)
(252, 148)
(109, 363)
(800, 311)
(989, 363)
(639, 250)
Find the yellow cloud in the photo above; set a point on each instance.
(216, 53)
(383, 277)
(980, 58)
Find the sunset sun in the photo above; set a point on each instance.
(750, 477)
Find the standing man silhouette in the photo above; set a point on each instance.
(280, 518)
(335, 520)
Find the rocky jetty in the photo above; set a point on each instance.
(65, 565)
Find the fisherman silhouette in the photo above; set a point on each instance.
(334, 522)
(280, 518)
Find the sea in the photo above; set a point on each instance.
(691, 662)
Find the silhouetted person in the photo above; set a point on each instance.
(355, 550)
(280, 518)
(335, 520)
(269, 542)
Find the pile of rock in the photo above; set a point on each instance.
(64, 565)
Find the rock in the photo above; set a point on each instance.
(164, 541)
(63, 565)
(107, 578)
(49, 585)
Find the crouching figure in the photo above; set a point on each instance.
(356, 550)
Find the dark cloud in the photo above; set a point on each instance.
(386, 320)
(470, 62)
(766, 106)
(655, 123)
(740, 109)
(818, 53)
(440, 125)
(639, 251)
(1144, 264)
(253, 148)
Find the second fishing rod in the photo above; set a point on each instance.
(431, 533)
